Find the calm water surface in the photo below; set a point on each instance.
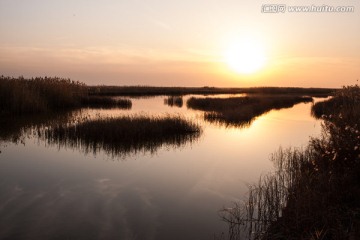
(52, 192)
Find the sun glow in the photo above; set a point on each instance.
(245, 56)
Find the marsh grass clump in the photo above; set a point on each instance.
(240, 111)
(174, 101)
(106, 102)
(314, 193)
(38, 95)
(123, 135)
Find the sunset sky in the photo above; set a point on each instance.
(179, 43)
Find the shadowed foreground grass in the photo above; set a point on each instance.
(240, 111)
(124, 135)
(315, 192)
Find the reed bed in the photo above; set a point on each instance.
(240, 111)
(314, 192)
(124, 135)
(36, 95)
(20, 96)
(174, 101)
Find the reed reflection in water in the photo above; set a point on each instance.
(174, 101)
(16, 128)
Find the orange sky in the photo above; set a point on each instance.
(177, 44)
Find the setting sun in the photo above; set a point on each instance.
(245, 56)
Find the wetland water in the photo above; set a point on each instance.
(52, 191)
